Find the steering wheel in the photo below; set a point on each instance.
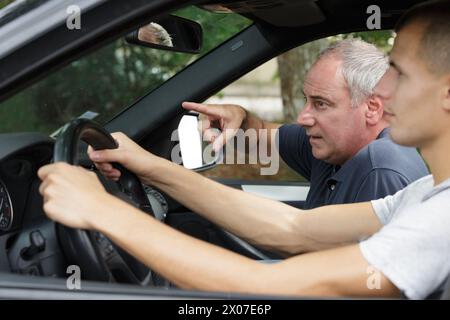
(98, 258)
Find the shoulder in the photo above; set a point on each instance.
(292, 138)
(386, 156)
(291, 129)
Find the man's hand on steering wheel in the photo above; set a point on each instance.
(73, 196)
(129, 154)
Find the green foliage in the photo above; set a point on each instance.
(383, 39)
(4, 3)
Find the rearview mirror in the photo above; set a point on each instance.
(171, 33)
(196, 154)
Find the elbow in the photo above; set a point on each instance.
(285, 236)
(289, 239)
(295, 240)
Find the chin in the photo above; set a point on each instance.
(324, 156)
(404, 138)
(319, 154)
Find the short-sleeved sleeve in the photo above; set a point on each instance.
(294, 149)
(385, 208)
(413, 250)
(378, 184)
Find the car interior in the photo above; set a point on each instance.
(34, 251)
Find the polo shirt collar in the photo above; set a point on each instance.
(444, 185)
(384, 133)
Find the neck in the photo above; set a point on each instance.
(383, 124)
(379, 129)
(373, 133)
(370, 136)
(436, 156)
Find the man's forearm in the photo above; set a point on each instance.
(255, 219)
(185, 261)
(267, 223)
(193, 264)
(263, 128)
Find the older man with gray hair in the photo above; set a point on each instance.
(341, 142)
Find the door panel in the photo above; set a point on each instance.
(278, 192)
(291, 193)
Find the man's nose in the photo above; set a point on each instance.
(305, 117)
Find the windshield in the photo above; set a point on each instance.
(105, 82)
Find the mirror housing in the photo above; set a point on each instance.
(197, 154)
(171, 33)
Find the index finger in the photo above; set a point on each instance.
(202, 108)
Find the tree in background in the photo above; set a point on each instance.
(4, 3)
(292, 68)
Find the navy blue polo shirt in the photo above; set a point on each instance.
(379, 169)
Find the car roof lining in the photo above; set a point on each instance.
(297, 13)
(281, 13)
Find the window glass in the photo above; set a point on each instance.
(107, 81)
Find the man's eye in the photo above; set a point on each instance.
(320, 105)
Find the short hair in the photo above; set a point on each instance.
(363, 65)
(156, 34)
(434, 46)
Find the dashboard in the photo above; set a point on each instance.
(21, 155)
(6, 211)
(28, 241)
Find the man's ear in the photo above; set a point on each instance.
(374, 112)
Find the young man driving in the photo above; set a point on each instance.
(406, 237)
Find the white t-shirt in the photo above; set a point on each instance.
(412, 249)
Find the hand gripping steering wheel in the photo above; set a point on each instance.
(98, 258)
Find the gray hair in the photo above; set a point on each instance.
(362, 67)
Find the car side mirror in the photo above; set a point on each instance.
(171, 33)
(196, 154)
